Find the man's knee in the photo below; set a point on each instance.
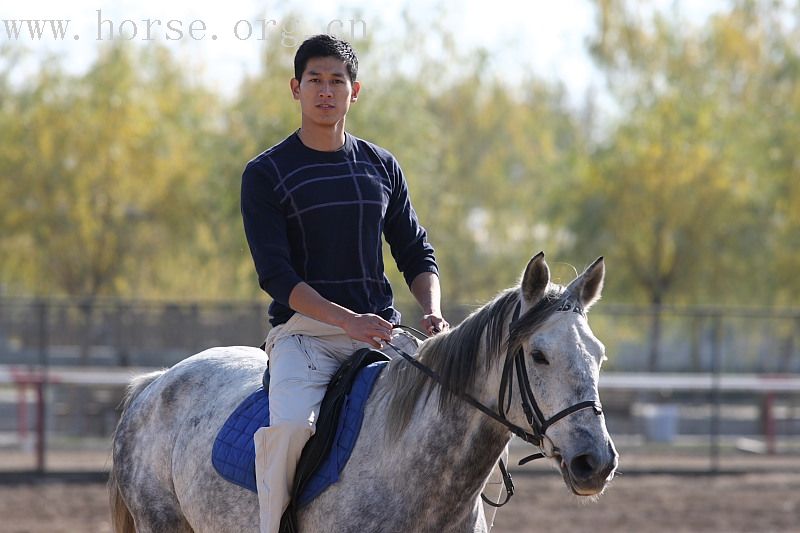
(285, 440)
(292, 429)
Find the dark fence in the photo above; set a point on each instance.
(699, 339)
(146, 333)
(63, 332)
(106, 335)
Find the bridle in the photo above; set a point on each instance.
(536, 419)
(539, 424)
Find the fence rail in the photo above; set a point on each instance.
(110, 332)
(122, 333)
(724, 376)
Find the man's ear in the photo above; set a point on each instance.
(356, 90)
(294, 84)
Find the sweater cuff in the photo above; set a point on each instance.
(281, 286)
(411, 275)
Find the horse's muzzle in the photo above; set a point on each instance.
(589, 472)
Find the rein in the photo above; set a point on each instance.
(538, 422)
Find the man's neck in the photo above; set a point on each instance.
(323, 139)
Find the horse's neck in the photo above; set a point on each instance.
(456, 448)
(462, 440)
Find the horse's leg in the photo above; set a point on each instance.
(210, 503)
(154, 508)
(141, 472)
(142, 458)
(162, 446)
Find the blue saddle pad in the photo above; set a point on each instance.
(233, 454)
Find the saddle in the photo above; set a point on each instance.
(325, 454)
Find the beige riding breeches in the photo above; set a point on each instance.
(303, 356)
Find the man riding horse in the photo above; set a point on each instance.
(315, 208)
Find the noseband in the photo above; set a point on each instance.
(539, 424)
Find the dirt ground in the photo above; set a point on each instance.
(746, 502)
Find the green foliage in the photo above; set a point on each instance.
(102, 174)
(125, 180)
(689, 194)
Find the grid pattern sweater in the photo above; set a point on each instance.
(319, 217)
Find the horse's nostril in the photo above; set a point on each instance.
(584, 466)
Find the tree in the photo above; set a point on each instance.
(103, 168)
(673, 194)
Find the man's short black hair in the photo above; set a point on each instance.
(325, 46)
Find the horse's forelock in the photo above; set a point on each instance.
(555, 298)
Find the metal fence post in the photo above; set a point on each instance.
(121, 339)
(716, 397)
(41, 386)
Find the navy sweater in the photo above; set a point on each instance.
(318, 217)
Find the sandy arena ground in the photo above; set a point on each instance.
(765, 502)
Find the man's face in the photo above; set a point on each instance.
(325, 91)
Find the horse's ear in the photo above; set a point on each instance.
(535, 279)
(588, 287)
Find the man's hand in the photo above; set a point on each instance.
(427, 292)
(368, 328)
(433, 324)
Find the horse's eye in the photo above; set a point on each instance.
(539, 358)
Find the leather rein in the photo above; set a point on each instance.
(539, 424)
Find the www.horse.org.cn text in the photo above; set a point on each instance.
(289, 33)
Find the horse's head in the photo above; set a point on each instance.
(562, 358)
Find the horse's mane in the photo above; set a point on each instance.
(454, 355)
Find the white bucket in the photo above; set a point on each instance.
(660, 422)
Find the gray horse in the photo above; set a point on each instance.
(423, 455)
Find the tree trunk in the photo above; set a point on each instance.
(655, 334)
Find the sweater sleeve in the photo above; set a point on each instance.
(407, 239)
(265, 229)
